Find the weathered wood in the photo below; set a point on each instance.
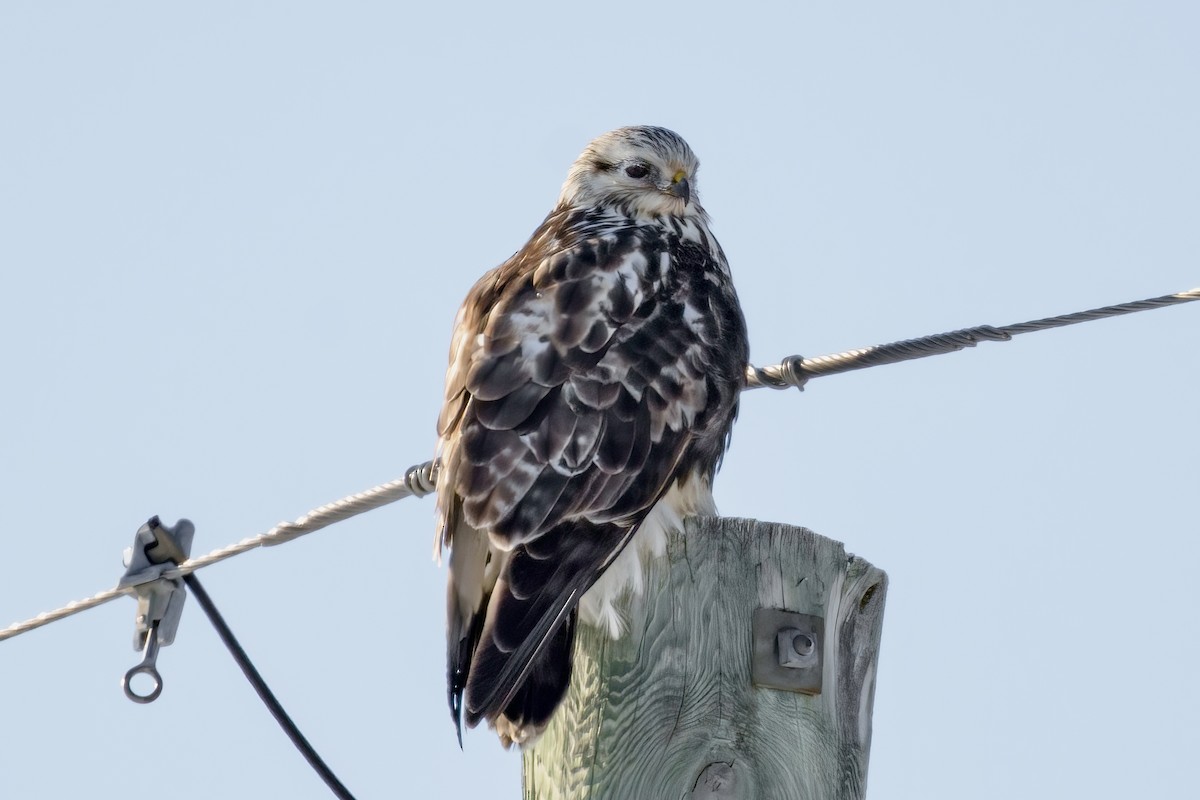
(670, 710)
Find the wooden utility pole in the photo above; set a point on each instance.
(681, 708)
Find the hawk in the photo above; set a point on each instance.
(593, 382)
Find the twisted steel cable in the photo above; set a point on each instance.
(417, 481)
(796, 370)
(421, 479)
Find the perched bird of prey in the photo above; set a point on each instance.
(593, 382)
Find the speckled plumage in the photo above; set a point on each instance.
(592, 375)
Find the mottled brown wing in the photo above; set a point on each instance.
(579, 383)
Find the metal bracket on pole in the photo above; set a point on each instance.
(156, 549)
(788, 650)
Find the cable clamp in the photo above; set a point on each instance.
(156, 549)
(788, 373)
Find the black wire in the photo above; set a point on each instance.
(264, 692)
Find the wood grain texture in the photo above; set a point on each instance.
(670, 711)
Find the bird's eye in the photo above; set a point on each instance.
(637, 170)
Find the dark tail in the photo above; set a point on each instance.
(515, 668)
(544, 687)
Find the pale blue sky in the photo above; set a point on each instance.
(233, 237)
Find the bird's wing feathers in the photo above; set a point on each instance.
(581, 371)
(563, 380)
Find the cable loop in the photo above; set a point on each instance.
(784, 375)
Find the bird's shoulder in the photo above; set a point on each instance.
(589, 262)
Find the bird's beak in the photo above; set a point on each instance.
(680, 187)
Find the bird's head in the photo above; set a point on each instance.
(647, 171)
